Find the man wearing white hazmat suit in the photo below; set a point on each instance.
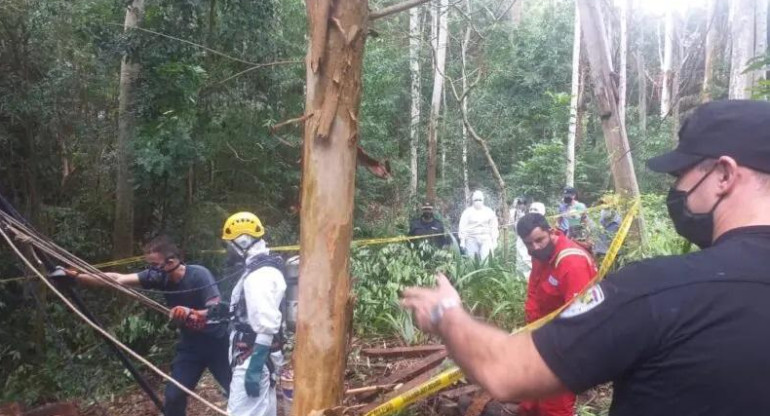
(478, 229)
(255, 304)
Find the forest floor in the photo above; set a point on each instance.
(361, 371)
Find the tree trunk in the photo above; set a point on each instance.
(337, 31)
(573, 102)
(516, 12)
(464, 103)
(123, 233)
(415, 36)
(667, 65)
(623, 77)
(621, 164)
(642, 84)
(441, 10)
(760, 36)
(742, 20)
(711, 51)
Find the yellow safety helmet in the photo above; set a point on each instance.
(242, 223)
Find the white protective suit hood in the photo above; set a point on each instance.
(537, 207)
(478, 199)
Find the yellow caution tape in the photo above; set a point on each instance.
(354, 243)
(452, 375)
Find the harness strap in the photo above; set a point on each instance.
(571, 252)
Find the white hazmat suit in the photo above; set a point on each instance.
(478, 230)
(263, 289)
(523, 259)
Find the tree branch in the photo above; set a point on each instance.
(299, 119)
(400, 7)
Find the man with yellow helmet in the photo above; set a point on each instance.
(255, 304)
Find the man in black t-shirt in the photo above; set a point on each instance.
(189, 290)
(679, 335)
(428, 224)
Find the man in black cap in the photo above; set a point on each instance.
(679, 335)
(428, 224)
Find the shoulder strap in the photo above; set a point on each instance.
(265, 260)
(571, 251)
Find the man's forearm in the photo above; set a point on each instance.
(475, 346)
(507, 366)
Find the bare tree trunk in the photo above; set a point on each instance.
(123, 231)
(619, 153)
(573, 102)
(667, 65)
(440, 45)
(415, 37)
(742, 20)
(623, 77)
(642, 84)
(516, 12)
(337, 32)
(464, 103)
(760, 35)
(711, 51)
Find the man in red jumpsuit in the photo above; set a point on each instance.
(560, 270)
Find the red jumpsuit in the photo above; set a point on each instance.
(551, 285)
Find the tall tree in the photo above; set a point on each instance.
(440, 21)
(415, 40)
(123, 233)
(623, 78)
(335, 55)
(464, 103)
(598, 52)
(760, 35)
(573, 102)
(667, 65)
(712, 50)
(746, 43)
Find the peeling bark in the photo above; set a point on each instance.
(334, 63)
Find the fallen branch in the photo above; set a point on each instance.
(300, 119)
(369, 389)
(403, 352)
(400, 7)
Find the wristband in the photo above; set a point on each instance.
(444, 305)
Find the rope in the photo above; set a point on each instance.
(30, 236)
(104, 332)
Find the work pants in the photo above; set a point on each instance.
(192, 357)
(241, 404)
(561, 405)
(479, 247)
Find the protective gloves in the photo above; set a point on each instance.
(254, 372)
(190, 318)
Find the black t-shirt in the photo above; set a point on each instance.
(681, 335)
(195, 289)
(418, 227)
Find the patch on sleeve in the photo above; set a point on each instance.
(585, 302)
(552, 280)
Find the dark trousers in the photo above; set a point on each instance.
(192, 357)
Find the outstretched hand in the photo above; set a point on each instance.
(424, 302)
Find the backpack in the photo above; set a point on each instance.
(260, 261)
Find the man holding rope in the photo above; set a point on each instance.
(680, 335)
(190, 291)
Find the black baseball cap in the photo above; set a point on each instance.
(736, 128)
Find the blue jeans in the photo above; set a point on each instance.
(192, 357)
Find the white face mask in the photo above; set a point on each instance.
(478, 204)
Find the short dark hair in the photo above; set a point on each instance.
(529, 222)
(163, 245)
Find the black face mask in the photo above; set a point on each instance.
(427, 216)
(159, 277)
(545, 253)
(698, 228)
(567, 199)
